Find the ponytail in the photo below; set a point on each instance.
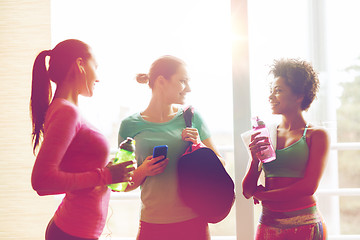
(41, 95)
(142, 78)
(165, 66)
(61, 59)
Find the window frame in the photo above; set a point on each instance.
(245, 225)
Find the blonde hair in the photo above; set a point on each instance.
(165, 66)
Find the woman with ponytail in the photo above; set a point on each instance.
(73, 157)
(163, 215)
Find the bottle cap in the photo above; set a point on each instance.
(128, 144)
(260, 123)
(256, 122)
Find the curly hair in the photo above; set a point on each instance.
(299, 76)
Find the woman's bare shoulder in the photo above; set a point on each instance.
(318, 133)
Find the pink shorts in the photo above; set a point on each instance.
(194, 229)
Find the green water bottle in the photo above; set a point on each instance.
(126, 152)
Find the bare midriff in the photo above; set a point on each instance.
(273, 183)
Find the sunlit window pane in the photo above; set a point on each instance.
(126, 37)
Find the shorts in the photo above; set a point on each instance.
(194, 229)
(301, 224)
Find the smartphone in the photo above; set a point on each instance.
(160, 151)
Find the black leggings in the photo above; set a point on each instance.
(53, 232)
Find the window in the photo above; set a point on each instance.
(343, 73)
(127, 36)
(321, 32)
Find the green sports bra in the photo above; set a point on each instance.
(290, 161)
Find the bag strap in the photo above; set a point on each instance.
(188, 115)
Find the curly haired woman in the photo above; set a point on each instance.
(289, 209)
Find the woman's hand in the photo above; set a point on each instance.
(252, 175)
(152, 167)
(121, 172)
(258, 191)
(191, 135)
(257, 145)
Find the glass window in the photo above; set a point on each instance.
(126, 37)
(321, 32)
(343, 55)
(277, 29)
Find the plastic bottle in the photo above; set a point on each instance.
(268, 154)
(126, 152)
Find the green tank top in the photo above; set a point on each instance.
(290, 161)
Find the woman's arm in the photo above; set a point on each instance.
(252, 175)
(318, 152)
(47, 177)
(250, 181)
(192, 135)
